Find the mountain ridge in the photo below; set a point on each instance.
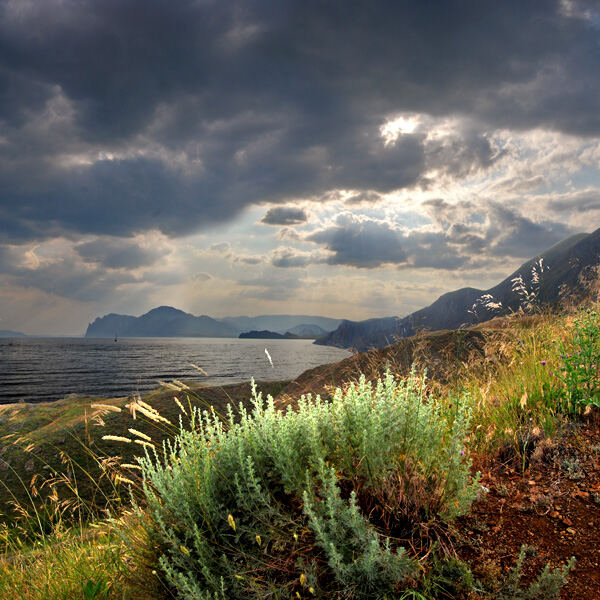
(167, 321)
(569, 263)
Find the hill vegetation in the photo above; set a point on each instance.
(480, 479)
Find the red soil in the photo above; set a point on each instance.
(554, 506)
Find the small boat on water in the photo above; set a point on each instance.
(116, 340)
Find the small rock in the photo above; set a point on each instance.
(571, 531)
(29, 466)
(554, 514)
(566, 521)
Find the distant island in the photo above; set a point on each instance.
(300, 332)
(166, 321)
(7, 333)
(268, 335)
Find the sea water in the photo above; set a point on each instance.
(43, 369)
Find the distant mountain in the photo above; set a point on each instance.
(7, 333)
(166, 321)
(571, 264)
(280, 323)
(163, 321)
(110, 325)
(307, 331)
(267, 335)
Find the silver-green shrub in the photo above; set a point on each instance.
(309, 500)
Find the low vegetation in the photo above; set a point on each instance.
(353, 496)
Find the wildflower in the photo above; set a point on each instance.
(181, 408)
(231, 522)
(140, 434)
(543, 362)
(181, 385)
(152, 414)
(144, 443)
(524, 400)
(302, 579)
(106, 407)
(121, 479)
(116, 438)
(269, 357)
(258, 540)
(462, 452)
(199, 369)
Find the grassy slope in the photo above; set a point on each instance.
(502, 357)
(66, 437)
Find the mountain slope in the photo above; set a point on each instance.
(570, 263)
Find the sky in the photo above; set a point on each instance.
(350, 159)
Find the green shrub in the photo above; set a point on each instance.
(309, 501)
(581, 362)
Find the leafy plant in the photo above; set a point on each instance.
(581, 363)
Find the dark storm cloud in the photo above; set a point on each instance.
(285, 215)
(118, 253)
(491, 228)
(466, 234)
(206, 107)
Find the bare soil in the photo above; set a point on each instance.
(553, 506)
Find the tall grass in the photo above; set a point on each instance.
(66, 564)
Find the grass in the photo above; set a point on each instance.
(91, 563)
(58, 477)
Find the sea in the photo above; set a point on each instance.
(45, 369)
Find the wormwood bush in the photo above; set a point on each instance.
(307, 502)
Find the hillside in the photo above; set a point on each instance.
(570, 266)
